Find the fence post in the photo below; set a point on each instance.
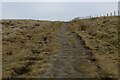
(90, 16)
(114, 13)
(110, 14)
(107, 14)
(118, 13)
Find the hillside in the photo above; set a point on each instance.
(86, 48)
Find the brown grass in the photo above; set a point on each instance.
(27, 44)
(101, 35)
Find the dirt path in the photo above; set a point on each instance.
(74, 59)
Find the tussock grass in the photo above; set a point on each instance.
(101, 35)
(27, 44)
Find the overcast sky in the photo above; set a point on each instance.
(55, 10)
(59, 0)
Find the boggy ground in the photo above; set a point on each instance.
(46, 49)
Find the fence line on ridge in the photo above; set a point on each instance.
(114, 13)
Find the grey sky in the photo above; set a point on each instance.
(55, 10)
(59, 0)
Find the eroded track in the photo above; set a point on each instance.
(74, 60)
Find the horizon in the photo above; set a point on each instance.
(56, 11)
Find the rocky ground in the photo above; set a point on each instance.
(45, 49)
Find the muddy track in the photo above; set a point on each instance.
(74, 60)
